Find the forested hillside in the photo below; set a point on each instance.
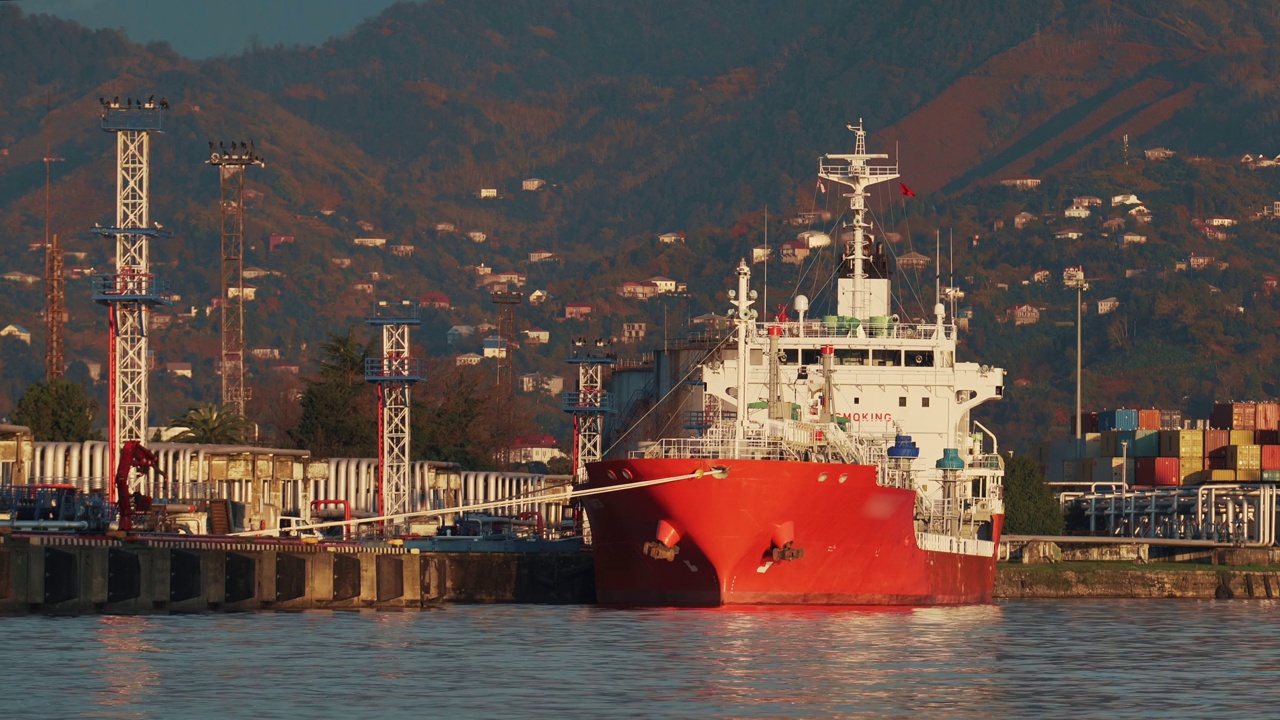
(651, 117)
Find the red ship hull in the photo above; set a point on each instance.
(858, 538)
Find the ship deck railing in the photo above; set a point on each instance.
(716, 449)
(844, 328)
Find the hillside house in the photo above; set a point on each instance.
(253, 273)
(160, 321)
(287, 368)
(670, 238)
(793, 252)
(1220, 221)
(1141, 215)
(952, 293)
(495, 347)
(532, 184)
(250, 292)
(467, 359)
(477, 236)
(1107, 305)
(17, 331)
(760, 253)
(445, 227)
(535, 448)
(634, 332)
(1125, 199)
(963, 316)
(363, 286)
(1214, 233)
(1069, 234)
(913, 261)
(376, 276)
(1158, 153)
(510, 277)
(373, 242)
(457, 332)
(538, 256)
(327, 211)
(1021, 183)
(341, 262)
(18, 276)
(178, 369)
(265, 353)
(1199, 262)
(1021, 220)
(1269, 283)
(811, 217)
(1132, 238)
(480, 270)
(486, 327)
(278, 239)
(1086, 201)
(1077, 212)
(814, 239)
(403, 251)
(997, 224)
(636, 290)
(537, 336)
(437, 300)
(664, 284)
(575, 311)
(1113, 224)
(365, 225)
(1023, 314)
(487, 193)
(1041, 276)
(537, 297)
(537, 382)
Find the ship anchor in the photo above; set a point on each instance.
(787, 552)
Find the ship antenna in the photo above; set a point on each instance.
(951, 268)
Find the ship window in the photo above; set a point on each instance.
(626, 474)
(851, 357)
(902, 401)
(924, 402)
(610, 474)
(792, 356)
(919, 358)
(886, 357)
(811, 357)
(857, 400)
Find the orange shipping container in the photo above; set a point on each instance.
(1271, 457)
(1156, 471)
(1148, 419)
(1215, 441)
(1268, 416)
(1234, 416)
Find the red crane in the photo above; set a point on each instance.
(132, 456)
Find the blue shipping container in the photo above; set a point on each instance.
(1118, 420)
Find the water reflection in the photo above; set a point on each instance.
(124, 666)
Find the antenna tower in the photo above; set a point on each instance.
(588, 404)
(231, 163)
(132, 290)
(394, 374)
(55, 295)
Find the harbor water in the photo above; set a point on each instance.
(1104, 659)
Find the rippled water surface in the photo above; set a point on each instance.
(1105, 659)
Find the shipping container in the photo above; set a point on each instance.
(1117, 420)
(1121, 472)
(1215, 441)
(1248, 476)
(1118, 443)
(1271, 457)
(1234, 416)
(1148, 419)
(1170, 419)
(1089, 424)
(1271, 476)
(1266, 437)
(1093, 445)
(1222, 475)
(1217, 463)
(1244, 457)
(1241, 437)
(1146, 443)
(1156, 471)
(1268, 416)
(1180, 443)
(1192, 473)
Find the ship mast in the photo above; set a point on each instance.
(852, 170)
(745, 319)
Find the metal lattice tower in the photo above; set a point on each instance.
(394, 374)
(588, 404)
(231, 163)
(506, 300)
(132, 290)
(55, 295)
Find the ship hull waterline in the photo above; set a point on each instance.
(858, 538)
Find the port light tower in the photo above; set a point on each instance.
(588, 403)
(231, 163)
(506, 300)
(1073, 278)
(394, 374)
(132, 291)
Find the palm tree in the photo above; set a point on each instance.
(212, 424)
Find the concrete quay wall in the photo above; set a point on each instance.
(72, 576)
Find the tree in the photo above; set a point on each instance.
(213, 424)
(1029, 505)
(57, 411)
(338, 409)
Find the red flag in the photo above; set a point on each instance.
(906, 190)
(821, 188)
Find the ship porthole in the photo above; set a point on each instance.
(611, 475)
(822, 477)
(843, 477)
(626, 474)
